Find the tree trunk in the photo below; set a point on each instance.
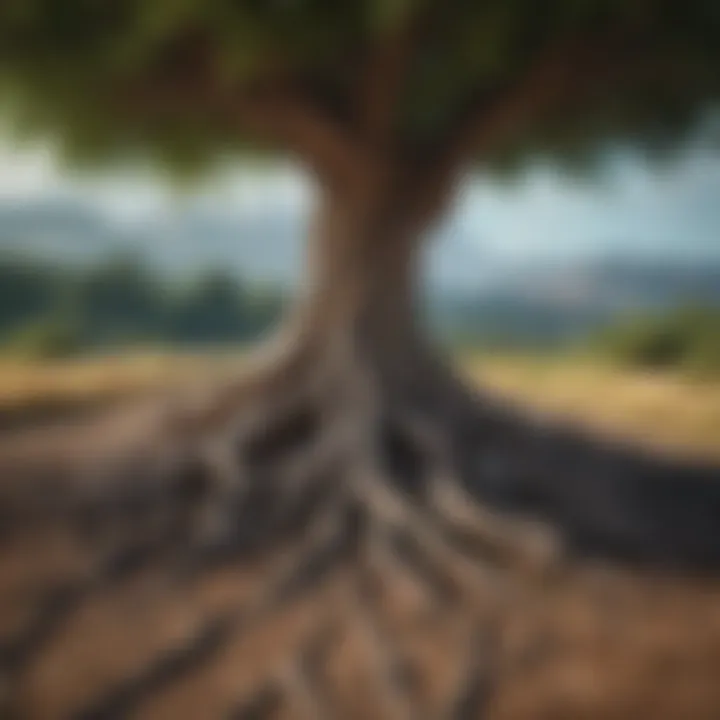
(362, 278)
(356, 322)
(354, 385)
(376, 499)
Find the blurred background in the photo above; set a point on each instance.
(596, 297)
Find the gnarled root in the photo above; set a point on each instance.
(341, 426)
(369, 496)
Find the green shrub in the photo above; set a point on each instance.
(47, 339)
(704, 360)
(686, 339)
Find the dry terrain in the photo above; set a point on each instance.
(671, 412)
(117, 608)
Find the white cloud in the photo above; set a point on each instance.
(27, 171)
(636, 208)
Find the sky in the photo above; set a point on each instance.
(627, 208)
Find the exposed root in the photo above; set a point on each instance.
(332, 469)
(303, 676)
(474, 693)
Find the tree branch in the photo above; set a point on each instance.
(492, 117)
(385, 71)
(279, 108)
(380, 86)
(293, 119)
(278, 114)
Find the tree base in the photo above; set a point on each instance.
(317, 433)
(341, 498)
(415, 450)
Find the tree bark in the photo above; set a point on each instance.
(362, 274)
(357, 378)
(352, 458)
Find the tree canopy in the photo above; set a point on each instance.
(495, 79)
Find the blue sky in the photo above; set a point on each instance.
(628, 208)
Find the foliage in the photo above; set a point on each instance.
(54, 311)
(27, 290)
(211, 309)
(688, 338)
(165, 76)
(45, 339)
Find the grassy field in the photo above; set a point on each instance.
(666, 410)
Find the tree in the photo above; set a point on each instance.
(117, 301)
(359, 443)
(27, 290)
(387, 104)
(686, 338)
(211, 311)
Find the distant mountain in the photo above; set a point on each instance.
(555, 304)
(616, 284)
(659, 284)
(258, 244)
(57, 228)
(261, 243)
(467, 288)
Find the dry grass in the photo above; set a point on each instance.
(666, 410)
(24, 383)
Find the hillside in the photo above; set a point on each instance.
(468, 298)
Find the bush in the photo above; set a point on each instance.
(687, 339)
(46, 340)
(704, 360)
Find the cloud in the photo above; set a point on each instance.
(634, 209)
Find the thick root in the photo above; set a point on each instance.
(328, 498)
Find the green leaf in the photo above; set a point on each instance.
(386, 14)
